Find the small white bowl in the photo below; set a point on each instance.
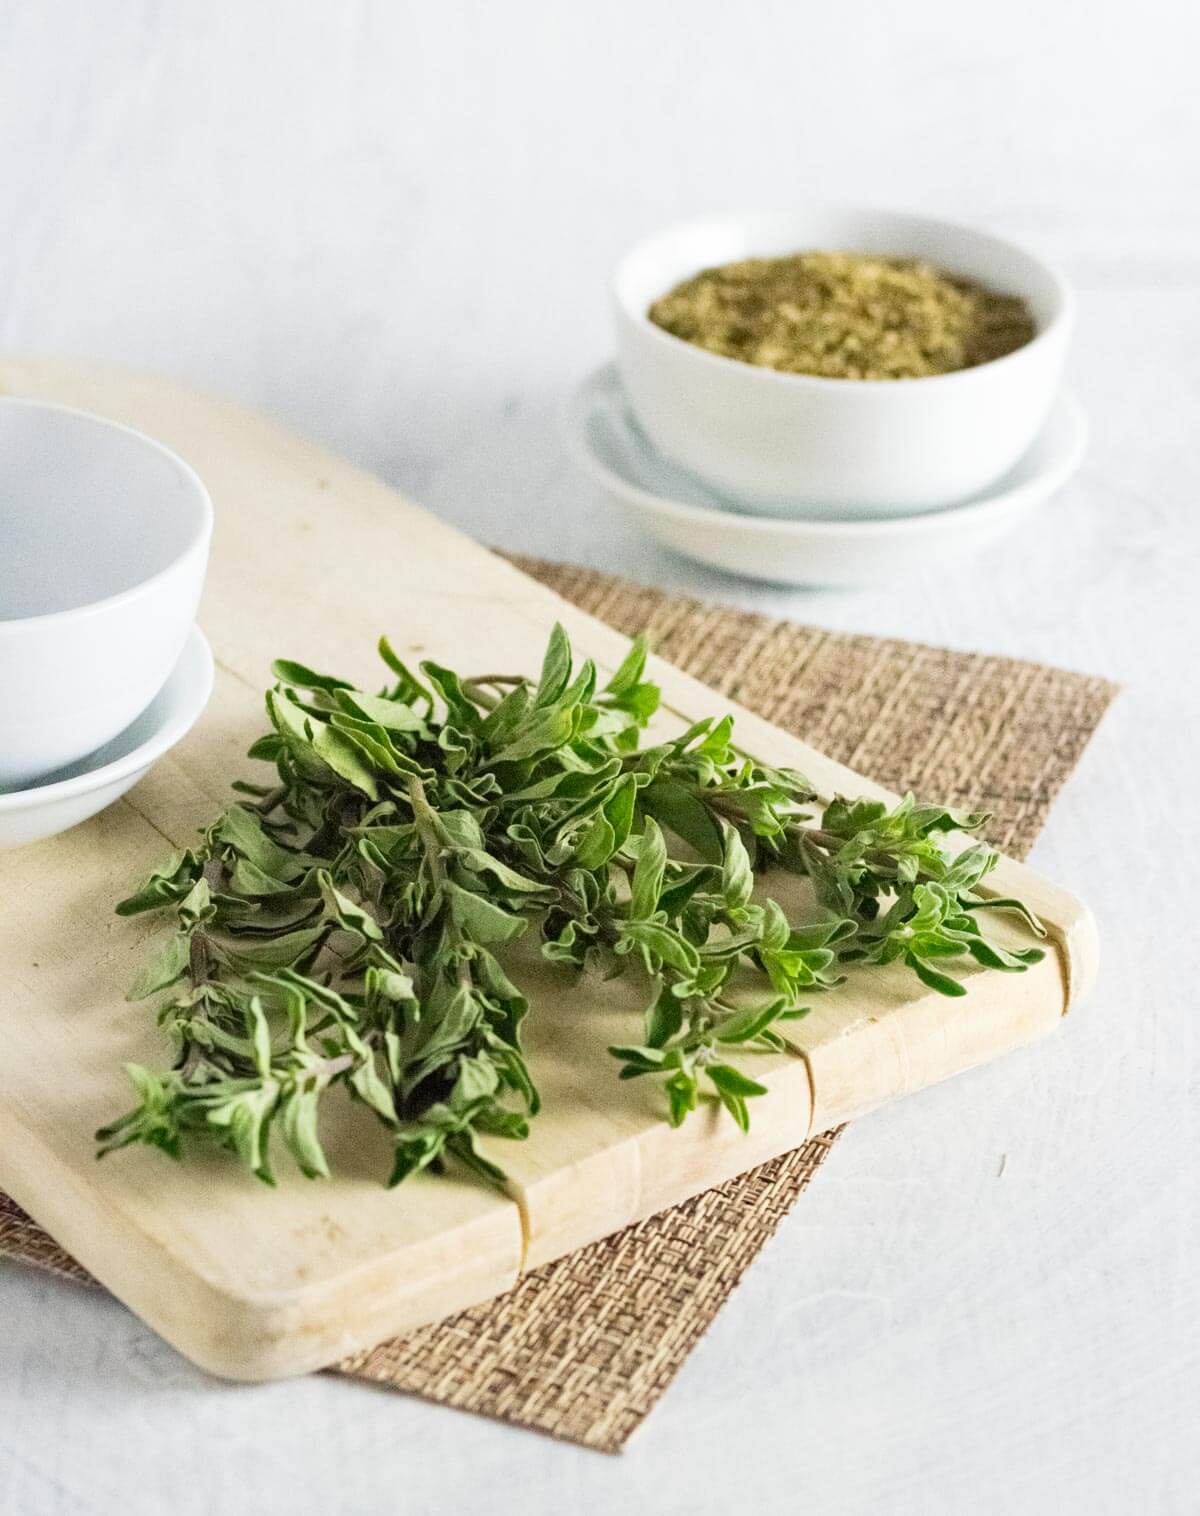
(798, 445)
(688, 518)
(104, 538)
(85, 788)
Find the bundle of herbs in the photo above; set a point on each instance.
(343, 930)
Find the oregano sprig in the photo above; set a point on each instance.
(344, 928)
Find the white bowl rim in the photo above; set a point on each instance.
(197, 539)
(973, 511)
(142, 756)
(1063, 314)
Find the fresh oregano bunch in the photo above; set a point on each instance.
(345, 926)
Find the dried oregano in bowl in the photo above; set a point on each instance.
(341, 931)
(845, 315)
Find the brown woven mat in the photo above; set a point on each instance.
(584, 1347)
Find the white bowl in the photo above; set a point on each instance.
(104, 539)
(797, 445)
(681, 513)
(83, 789)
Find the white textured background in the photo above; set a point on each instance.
(390, 225)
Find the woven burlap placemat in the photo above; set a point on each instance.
(583, 1348)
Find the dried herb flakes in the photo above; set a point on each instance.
(845, 316)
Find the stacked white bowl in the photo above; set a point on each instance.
(104, 540)
(825, 477)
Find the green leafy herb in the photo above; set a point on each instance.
(344, 927)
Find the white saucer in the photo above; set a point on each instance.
(73, 794)
(697, 522)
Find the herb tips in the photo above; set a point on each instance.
(341, 931)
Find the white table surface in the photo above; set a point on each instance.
(389, 225)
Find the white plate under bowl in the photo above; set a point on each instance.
(697, 522)
(74, 794)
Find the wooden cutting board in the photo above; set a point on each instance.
(312, 560)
